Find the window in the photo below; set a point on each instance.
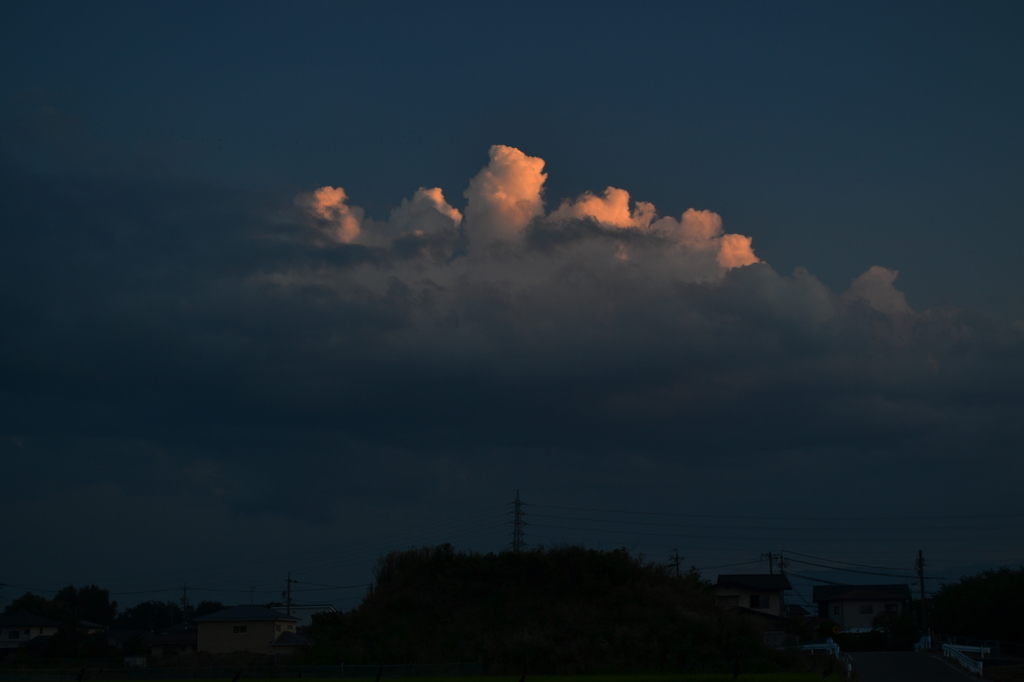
(277, 628)
(14, 634)
(291, 627)
(867, 608)
(837, 609)
(759, 601)
(891, 608)
(238, 629)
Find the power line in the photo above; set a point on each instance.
(851, 570)
(642, 522)
(847, 563)
(781, 518)
(742, 563)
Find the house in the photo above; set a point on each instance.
(178, 639)
(18, 629)
(854, 607)
(247, 628)
(305, 613)
(90, 628)
(762, 594)
(288, 642)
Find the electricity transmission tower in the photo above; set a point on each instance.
(518, 525)
(919, 565)
(675, 563)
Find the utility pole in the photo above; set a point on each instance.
(184, 605)
(289, 593)
(675, 562)
(920, 580)
(783, 563)
(771, 562)
(518, 525)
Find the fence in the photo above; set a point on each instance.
(248, 673)
(832, 648)
(950, 651)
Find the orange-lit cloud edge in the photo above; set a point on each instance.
(507, 196)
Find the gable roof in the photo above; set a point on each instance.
(246, 612)
(755, 581)
(864, 592)
(291, 639)
(28, 620)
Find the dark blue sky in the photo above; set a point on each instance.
(838, 136)
(181, 344)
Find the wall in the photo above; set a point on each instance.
(850, 616)
(218, 637)
(775, 600)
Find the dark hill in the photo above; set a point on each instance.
(567, 609)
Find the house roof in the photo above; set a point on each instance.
(246, 612)
(291, 639)
(28, 620)
(172, 638)
(863, 592)
(123, 636)
(755, 581)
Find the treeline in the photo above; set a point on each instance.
(983, 606)
(92, 603)
(566, 610)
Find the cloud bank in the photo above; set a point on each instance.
(596, 325)
(505, 205)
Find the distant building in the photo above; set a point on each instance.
(854, 607)
(249, 628)
(288, 642)
(19, 629)
(757, 592)
(305, 613)
(179, 639)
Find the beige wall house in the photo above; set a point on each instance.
(19, 629)
(243, 628)
(855, 607)
(763, 594)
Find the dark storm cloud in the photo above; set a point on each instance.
(226, 323)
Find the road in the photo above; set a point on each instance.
(900, 666)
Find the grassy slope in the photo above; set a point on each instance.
(565, 610)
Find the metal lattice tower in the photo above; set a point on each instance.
(518, 525)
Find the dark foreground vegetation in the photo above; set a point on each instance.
(564, 610)
(985, 606)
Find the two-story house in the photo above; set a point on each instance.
(763, 594)
(248, 628)
(855, 607)
(18, 629)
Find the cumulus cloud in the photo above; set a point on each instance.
(505, 195)
(597, 325)
(611, 209)
(877, 289)
(427, 211)
(328, 208)
(505, 204)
